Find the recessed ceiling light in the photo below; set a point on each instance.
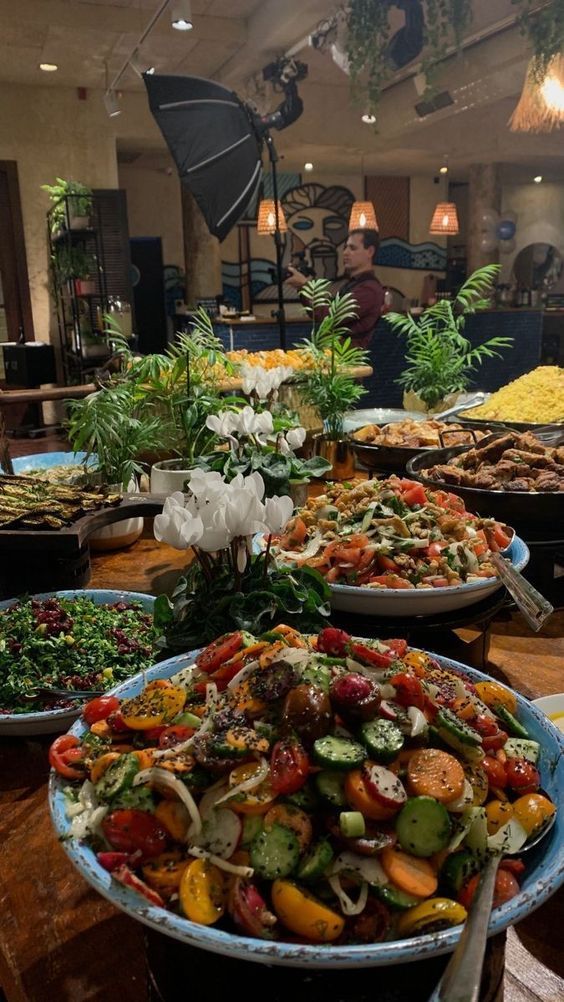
(538, 179)
(308, 166)
(181, 15)
(443, 169)
(48, 67)
(368, 119)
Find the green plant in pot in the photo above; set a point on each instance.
(75, 264)
(329, 384)
(72, 204)
(440, 360)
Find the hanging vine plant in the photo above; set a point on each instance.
(367, 44)
(545, 30)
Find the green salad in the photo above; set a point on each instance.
(69, 643)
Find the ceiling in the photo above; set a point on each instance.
(233, 39)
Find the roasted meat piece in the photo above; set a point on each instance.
(548, 482)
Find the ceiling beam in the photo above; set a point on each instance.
(115, 20)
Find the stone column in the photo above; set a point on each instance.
(201, 253)
(484, 193)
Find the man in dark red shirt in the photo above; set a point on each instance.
(360, 251)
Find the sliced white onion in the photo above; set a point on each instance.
(222, 864)
(465, 799)
(88, 822)
(87, 794)
(211, 695)
(387, 691)
(208, 801)
(310, 550)
(248, 784)
(162, 777)
(183, 678)
(509, 839)
(293, 655)
(73, 809)
(242, 674)
(164, 753)
(418, 721)
(367, 867)
(348, 906)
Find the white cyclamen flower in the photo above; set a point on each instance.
(244, 512)
(246, 421)
(177, 526)
(222, 424)
(282, 446)
(206, 485)
(216, 536)
(253, 482)
(264, 426)
(277, 513)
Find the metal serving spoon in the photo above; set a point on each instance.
(44, 692)
(463, 974)
(475, 401)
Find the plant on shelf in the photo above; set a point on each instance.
(108, 425)
(328, 384)
(71, 200)
(73, 262)
(257, 444)
(227, 587)
(440, 360)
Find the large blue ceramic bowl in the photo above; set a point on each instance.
(56, 721)
(545, 867)
(47, 460)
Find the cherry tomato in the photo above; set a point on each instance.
(506, 887)
(372, 925)
(289, 766)
(100, 708)
(515, 866)
(387, 564)
(221, 650)
(415, 495)
(111, 860)
(409, 691)
(117, 723)
(522, 775)
(495, 772)
(67, 757)
(175, 735)
(369, 656)
(130, 830)
(154, 733)
(398, 647)
(433, 550)
(332, 641)
(248, 910)
(494, 741)
(485, 726)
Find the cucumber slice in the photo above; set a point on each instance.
(352, 824)
(319, 675)
(423, 826)
(275, 853)
(252, 827)
(456, 870)
(394, 898)
(451, 727)
(521, 748)
(382, 738)
(331, 786)
(188, 720)
(313, 866)
(307, 798)
(118, 777)
(338, 753)
(511, 724)
(476, 839)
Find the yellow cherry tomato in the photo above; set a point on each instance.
(493, 694)
(431, 916)
(102, 763)
(532, 810)
(478, 780)
(416, 660)
(255, 801)
(303, 914)
(156, 705)
(164, 872)
(498, 813)
(174, 816)
(202, 892)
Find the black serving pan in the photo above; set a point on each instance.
(395, 458)
(471, 422)
(524, 510)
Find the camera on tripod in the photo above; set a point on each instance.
(300, 264)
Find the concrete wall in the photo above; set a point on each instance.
(50, 133)
(154, 207)
(540, 218)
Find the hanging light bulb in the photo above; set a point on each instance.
(363, 216)
(266, 219)
(181, 15)
(541, 105)
(445, 220)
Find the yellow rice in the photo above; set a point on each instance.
(537, 397)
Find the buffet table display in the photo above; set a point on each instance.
(537, 398)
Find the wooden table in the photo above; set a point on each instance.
(62, 942)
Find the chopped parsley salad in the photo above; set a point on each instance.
(69, 643)
(319, 790)
(392, 533)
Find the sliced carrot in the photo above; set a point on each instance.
(359, 797)
(410, 873)
(267, 655)
(102, 729)
(464, 708)
(288, 816)
(101, 764)
(246, 702)
(247, 651)
(145, 758)
(435, 773)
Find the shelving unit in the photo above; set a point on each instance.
(80, 291)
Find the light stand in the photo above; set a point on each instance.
(280, 313)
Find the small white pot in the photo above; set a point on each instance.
(79, 222)
(118, 534)
(169, 475)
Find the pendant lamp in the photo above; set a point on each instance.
(445, 220)
(541, 105)
(363, 216)
(266, 219)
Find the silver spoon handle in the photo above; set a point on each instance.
(473, 402)
(534, 607)
(463, 974)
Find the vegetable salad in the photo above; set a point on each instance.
(69, 643)
(309, 789)
(391, 533)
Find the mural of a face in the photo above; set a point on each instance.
(317, 220)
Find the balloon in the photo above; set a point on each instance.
(488, 243)
(489, 219)
(506, 229)
(507, 246)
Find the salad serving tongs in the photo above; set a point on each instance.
(463, 974)
(46, 692)
(533, 606)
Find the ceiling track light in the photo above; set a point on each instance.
(537, 179)
(111, 103)
(181, 15)
(138, 67)
(48, 67)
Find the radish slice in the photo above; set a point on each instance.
(418, 721)
(466, 799)
(384, 786)
(387, 710)
(221, 832)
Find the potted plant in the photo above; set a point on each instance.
(440, 360)
(329, 384)
(75, 264)
(227, 586)
(106, 425)
(72, 205)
